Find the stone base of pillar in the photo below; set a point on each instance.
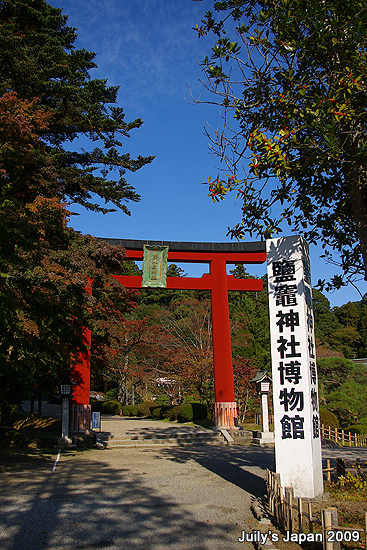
(263, 438)
(225, 415)
(80, 418)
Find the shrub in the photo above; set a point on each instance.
(357, 429)
(112, 394)
(192, 411)
(167, 412)
(95, 405)
(129, 410)
(144, 408)
(155, 412)
(110, 407)
(189, 399)
(328, 418)
(162, 400)
(185, 413)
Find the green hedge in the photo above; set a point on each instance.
(144, 408)
(328, 418)
(95, 405)
(155, 412)
(110, 407)
(357, 429)
(186, 412)
(192, 411)
(129, 410)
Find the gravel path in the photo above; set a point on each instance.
(184, 498)
(148, 499)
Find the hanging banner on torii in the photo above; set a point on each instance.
(155, 266)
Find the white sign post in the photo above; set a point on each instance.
(295, 390)
(96, 421)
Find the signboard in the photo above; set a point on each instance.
(96, 420)
(295, 388)
(155, 266)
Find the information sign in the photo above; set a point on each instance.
(96, 420)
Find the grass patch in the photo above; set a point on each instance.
(251, 426)
(204, 423)
(36, 431)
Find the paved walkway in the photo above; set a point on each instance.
(184, 498)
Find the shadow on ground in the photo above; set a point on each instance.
(87, 503)
(245, 467)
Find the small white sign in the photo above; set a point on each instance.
(96, 420)
(295, 389)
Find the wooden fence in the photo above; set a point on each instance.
(340, 437)
(295, 516)
(343, 438)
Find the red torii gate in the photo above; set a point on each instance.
(217, 255)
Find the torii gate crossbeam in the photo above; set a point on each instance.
(217, 255)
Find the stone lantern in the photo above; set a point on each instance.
(66, 392)
(263, 381)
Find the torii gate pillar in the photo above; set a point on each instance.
(217, 255)
(225, 408)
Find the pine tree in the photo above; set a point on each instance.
(38, 59)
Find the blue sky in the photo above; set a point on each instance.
(148, 48)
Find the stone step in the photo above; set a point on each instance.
(179, 439)
(162, 435)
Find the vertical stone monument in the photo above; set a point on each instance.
(295, 389)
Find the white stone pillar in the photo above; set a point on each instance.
(264, 413)
(295, 390)
(64, 440)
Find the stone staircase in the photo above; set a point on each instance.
(179, 438)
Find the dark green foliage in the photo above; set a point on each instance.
(144, 408)
(357, 429)
(326, 322)
(155, 412)
(47, 100)
(38, 59)
(333, 372)
(327, 418)
(343, 388)
(192, 411)
(253, 339)
(170, 412)
(189, 399)
(110, 407)
(112, 394)
(129, 410)
(186, 412)
(95, 405)
(162, 400)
